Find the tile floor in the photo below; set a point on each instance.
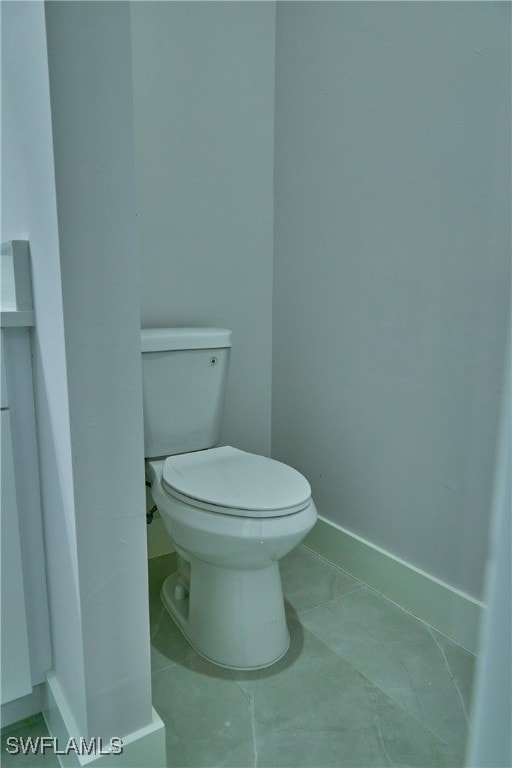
(29, 728)
(364, 684)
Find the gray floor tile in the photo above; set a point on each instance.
(29, 728)
(461, 664)
(310, 709)
(309, 581)
(208, 711)
(402, 657)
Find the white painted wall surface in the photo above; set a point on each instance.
(89, 54)
(29, 213)
(204, 128)
(392, 268)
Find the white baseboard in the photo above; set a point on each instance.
(144, 747)
(450, 611)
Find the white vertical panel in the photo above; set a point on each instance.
(490, 742)
(18, 364)
(15, 665)
(4, 400)
(89, 59)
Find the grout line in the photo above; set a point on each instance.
(452, 676)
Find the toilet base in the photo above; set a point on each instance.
(233, 618)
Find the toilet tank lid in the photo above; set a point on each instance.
(164, 339)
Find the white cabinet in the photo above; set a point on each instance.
(15, 659)
(25, 634)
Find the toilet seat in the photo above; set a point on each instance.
(232, 482)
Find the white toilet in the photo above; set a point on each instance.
(231, 515)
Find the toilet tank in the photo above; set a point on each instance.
(184, 373)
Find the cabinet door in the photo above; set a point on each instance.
(15, 660)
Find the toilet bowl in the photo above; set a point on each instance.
(231, 515)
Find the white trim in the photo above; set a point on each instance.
(17, 318)
(143, 747)
(445, 608)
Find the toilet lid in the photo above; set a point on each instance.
(231, 481)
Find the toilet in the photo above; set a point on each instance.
(231, 514)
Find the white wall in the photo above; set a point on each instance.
(204, 126)
(89, 57)
(392, 249)
(29, 213)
